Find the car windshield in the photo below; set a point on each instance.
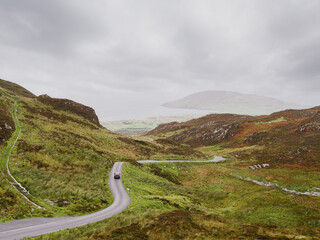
(116, 173)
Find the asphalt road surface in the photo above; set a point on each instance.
(37, 226)
(216, 159)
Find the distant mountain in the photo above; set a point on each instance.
(232, 102)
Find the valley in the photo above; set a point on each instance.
(203, 201)
(136, 127)
(63, 157)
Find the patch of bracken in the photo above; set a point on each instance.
(131, 232)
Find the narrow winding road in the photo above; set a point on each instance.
(38, 226)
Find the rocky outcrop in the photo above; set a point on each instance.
(207, 134)
(255, 138)
(311, 125)
(71, 106)
(257, 166)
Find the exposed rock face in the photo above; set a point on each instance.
(255, 138)
(5, 131)
(6, 126)
(71, 106)
(257, 166)
(311, 125)
(207, 134)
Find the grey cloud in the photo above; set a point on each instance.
(124, 52)
(52, 27)
(303, 62)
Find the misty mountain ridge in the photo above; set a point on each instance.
(232, 102)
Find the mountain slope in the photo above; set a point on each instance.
(231, 102)
(63, 156)
(71, 106)
(288, 137)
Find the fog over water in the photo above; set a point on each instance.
(125, 58)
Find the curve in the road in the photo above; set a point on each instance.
(34, 227)
(38, 226)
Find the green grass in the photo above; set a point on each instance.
(57, 166)
(295, 179)
(10, 209)
(170, 134)
(15, 88)
(206, 202)
(64, 163)
(64, 158)
(281, 119)
(218, 150)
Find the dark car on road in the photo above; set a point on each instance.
(116, 175)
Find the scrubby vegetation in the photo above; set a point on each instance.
(284, 139)
(15, 89)
(63, 156)
(204, 202)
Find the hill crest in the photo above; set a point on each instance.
(16, 89)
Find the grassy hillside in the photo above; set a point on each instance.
(231, 102)
(63, 157)
(204, 201)
(15, 89)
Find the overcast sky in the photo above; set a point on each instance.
(124, 58)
